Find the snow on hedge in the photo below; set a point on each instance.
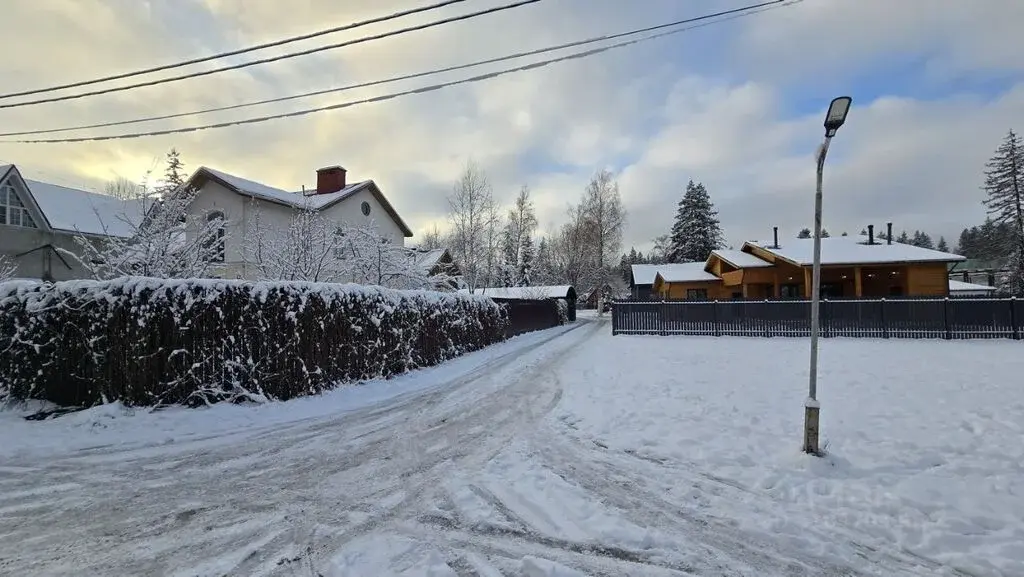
(146, 341)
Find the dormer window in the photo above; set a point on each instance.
(12, 211)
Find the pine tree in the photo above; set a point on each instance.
(696, 231)
(824, 233)
(804, 233)
(903, 238)
(1004, 184)
(942, 246)
(174, 173)
(509, 257)
(526, 258)
(845, 233)
(922, 239)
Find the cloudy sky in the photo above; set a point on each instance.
(737, 105)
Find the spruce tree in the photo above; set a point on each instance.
(804, 233)
(174, 175)
(903, 238)
(942, 246)
(696, 231)
(1004, 184)
(526, 258)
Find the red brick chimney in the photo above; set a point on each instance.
(330, 179)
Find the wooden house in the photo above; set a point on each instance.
(852, 267)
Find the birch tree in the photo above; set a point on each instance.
(471, 217)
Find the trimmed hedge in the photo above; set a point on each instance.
(145, 341)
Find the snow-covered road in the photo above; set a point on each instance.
(475, 469)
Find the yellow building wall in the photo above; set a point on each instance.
(927, 280)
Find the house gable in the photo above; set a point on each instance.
(18, 208)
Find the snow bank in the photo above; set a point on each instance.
(924, 440)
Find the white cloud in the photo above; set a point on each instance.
(710, 105)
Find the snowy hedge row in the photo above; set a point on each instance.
(147, 341)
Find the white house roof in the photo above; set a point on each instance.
(298, 199)
(428, 259)
(685, 272)
(960, 286)
(680, 272)
(741, 259)
(839, 250)
(526, 292)
(73, 210)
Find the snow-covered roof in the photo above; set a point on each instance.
(527, 292)
(741, 259)
(426, 260)
(299, 199)
(685, 272)
(74, 210)
(4, 168)
(960, 286)
(645, 273)
(850, 250)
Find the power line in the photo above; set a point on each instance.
(490, 75)
(307, 52)
(746, 9)
(219, 55)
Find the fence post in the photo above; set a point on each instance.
(662, 313)
(615, 320)
(767, 322)
(823, 319)
(945, 319)
(885, 323)
(714, 318)
(1014, 321)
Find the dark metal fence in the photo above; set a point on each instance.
(952, 318)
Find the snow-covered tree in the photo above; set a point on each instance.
(472, 222)
(903, 238)
(432, 239)
(154, 235)
(942, 246)
(659, 253)
(1004, 184)
(174, 173)
(922, 239)
(605, 218)
(123, 188)
(526, 258)
(696, 231)
(304, 251)
(7, 268)
(804, 233)
(509, 256)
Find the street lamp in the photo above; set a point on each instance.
(835, 118)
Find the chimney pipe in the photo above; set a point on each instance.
(775, 231)
(330, 179)
(888, 233)
(871, 234)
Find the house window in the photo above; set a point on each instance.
(696, 294)
(215, 248)
(365, 207)
(340, 246)
(12, 210)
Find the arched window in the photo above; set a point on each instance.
(215, 239)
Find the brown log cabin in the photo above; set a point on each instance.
(852, 267)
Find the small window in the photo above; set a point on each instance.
(365, 208)
(696, 294)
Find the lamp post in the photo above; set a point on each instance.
(835, 118)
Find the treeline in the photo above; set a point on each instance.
(497, 247)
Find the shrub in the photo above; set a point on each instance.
(145, 341)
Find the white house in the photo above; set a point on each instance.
(37, 219)
(235, 200)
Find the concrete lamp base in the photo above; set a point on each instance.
(812, 410)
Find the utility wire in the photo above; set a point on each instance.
(392, 79)
(219, 55)
(307, 52)
(535, 65)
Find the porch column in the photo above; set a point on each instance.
(858, 290)
(808, 287)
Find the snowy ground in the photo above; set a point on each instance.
(558, 454)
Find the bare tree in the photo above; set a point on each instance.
(432, 239)
(123, 188)
(518, 239)
(154, 236)
(472, 218)
(570, 251)
(603, 211)
(304, 250)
